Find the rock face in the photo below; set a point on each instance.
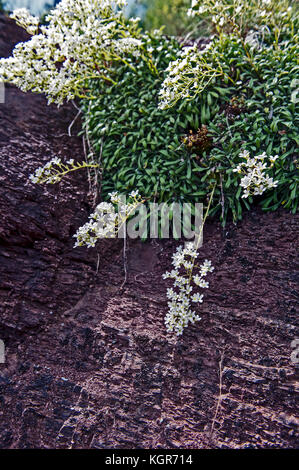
(90, 366)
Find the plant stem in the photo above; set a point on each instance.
(201, 230)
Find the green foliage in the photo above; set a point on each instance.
(171, 15)
(233, 16)
(258, 114)
(142, 147)
(141, 144)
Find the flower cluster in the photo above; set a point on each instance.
(129, 46)
(247, 22)
(236, 15)
(105, 221)
(25, 20)
(180, 312)
(255, 181)
(190, 74)
(79, 42)
(54, 170)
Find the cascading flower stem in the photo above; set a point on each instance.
(179, 306)
(54, 170)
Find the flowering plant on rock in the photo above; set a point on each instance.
(172, 122)
(78, 43)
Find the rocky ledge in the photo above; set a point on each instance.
(90, 366)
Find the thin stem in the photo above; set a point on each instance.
(201, 230)
(68, 170)
(125, 262)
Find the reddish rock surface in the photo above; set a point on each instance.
(90, 366)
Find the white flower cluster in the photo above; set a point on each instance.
(102, 224)
(217, 9)
(78, 43)
(236, 13)
(45, 174)
(54, 170)
(189, 74)
(195, 69)
(25, 20)
(105, 222)
(129, 46)
(180, 312)
(255, 181)
(223, 10)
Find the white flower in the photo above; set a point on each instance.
(114, 197)
(134, 193)
(255, 181)
(75, 45)
(105, 222)
(197, 298)
(24, 19)
(179, 314)
(273, 159)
